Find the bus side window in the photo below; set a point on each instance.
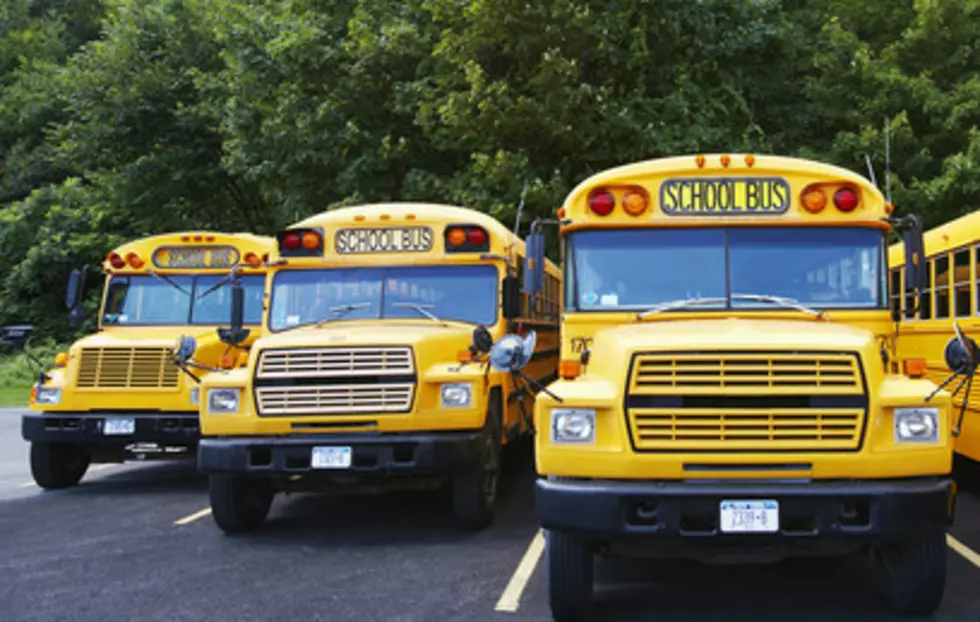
(961, 283)
(896, 292)
(942, 287)
(925, 299)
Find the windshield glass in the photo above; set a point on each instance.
(145, 300)
(638, 269)
(462, 293)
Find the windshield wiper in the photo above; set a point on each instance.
(341, 311)
(420, 308)
(163, 278)
(789, 303)
(679, 304)
(673, 305)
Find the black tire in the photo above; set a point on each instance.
(911, 573)
(239, 504)
(475, 489)
(58, 465)
(571, 570)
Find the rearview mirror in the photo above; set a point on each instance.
(183, 350)
(76, 316)
(916, 273)
(73, 292)
(512, 353)
(511, 295)
(236, 333)
(16, 336)
(534, 263)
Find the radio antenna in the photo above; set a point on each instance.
(520, 210)
(888, 163)
(871, 171)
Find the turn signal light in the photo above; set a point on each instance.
(116, 261)
(635, 202)
(915, 368)
(134, 261)
(301, 242)
(570, 369)
(61, 359)
(602, 202)
(846, 199)
(813, 199)
(253, 260)
(467, 238)
(228, 361)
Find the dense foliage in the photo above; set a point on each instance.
(122, 118)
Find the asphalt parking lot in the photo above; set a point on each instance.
(135, 541)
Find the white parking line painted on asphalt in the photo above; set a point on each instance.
(510, 599)
(190, 518)
(971, 556)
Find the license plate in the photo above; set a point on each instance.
(119, 427)
(331, 458)
(750, 516)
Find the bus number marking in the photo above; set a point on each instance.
(195, 257)
(762, 195)
(387, 240)
(580, 344)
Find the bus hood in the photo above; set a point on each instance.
(145, 336)
(446, 338)
(731, 334)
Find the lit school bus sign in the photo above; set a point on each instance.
(195, 257)
(724, 196)
(383, 240)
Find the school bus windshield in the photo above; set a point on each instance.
(461, 293)
(637, 269)
(146, 300)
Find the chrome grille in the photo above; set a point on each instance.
(127, 368)
(336, 362)
(335, 399)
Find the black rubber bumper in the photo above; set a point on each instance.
(89, 428)
(680, 510)
(408, 454)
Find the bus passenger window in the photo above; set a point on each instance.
(961, 282)
(925, 299)
(942, 286)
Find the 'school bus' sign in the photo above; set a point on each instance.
(195, 257)
(714, 196)
(383, 240)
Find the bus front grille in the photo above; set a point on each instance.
(335, 381)
(127, 368)
(746, 401)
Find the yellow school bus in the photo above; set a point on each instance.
(117, 394)
(373, 367)
(951, 295)
(725, 391)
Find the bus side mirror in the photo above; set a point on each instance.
(482, 339)
(16, 336)
(534, 264)
(236, 333)
(916, 273)
(511, 295)
(73, 293)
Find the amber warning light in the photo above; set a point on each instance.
(301, 242)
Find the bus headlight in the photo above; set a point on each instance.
(457, 395)
(572, 425)
(48, 395)
(223, 400)
(916, 425)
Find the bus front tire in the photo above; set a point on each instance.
(58, 465)
(475, 489)
(239, 504)
(570, 576)
(911, 573)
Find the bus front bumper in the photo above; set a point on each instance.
(435, 453)
(112, 428)
(855, 511)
